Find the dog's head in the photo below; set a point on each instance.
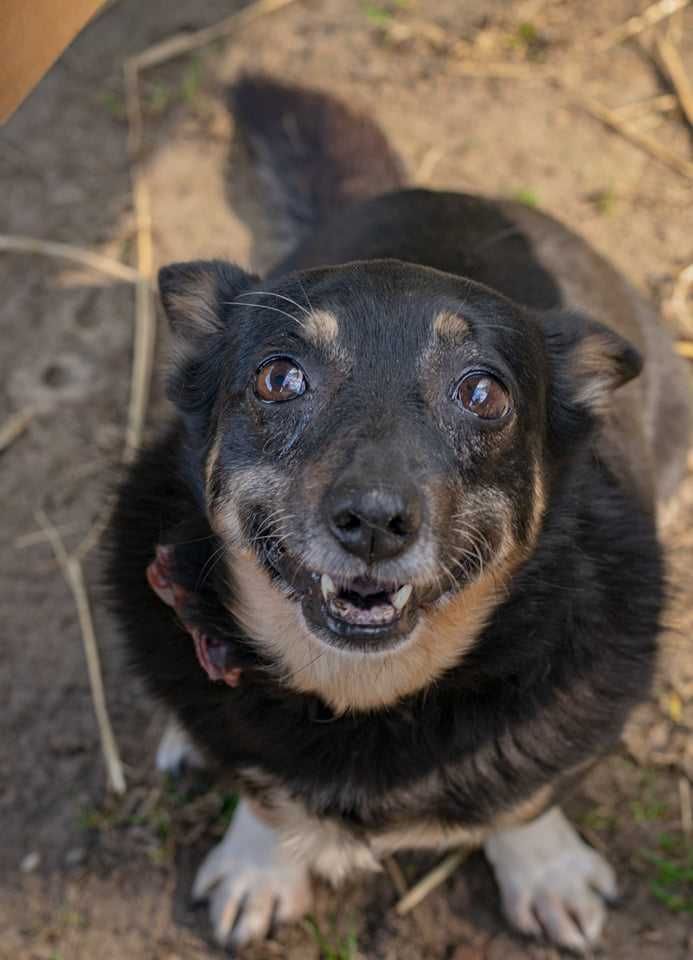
(375, 445)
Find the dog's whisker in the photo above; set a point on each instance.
(279, 296)
(265, 306)
(209, 566)
(305, 293)
(186, 543)
(306, 666)
(449, 574)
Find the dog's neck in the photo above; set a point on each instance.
(350, 680)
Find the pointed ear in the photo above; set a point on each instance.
(194, 296)
(589, 360)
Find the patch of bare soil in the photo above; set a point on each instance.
(86, 876)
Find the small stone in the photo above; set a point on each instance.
(30, 862)
(74, 857)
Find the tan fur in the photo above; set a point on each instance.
(349, 680)
(320, 327)
(450, 326)
(211, 463)
(596, 370)
(539, 504)
(329, 849)
(253, 482)
(526, 810)
(196, 309)
(334, 852)
(346, 679)
(432, 835)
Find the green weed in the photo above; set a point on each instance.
(527, 196)
(672, 883)
(344, 948)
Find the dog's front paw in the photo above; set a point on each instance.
(250, 882)
(551, 882)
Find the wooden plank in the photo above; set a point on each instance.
(33, 34)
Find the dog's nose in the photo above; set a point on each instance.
(373, 523)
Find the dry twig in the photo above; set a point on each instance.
(186, 42)
(635, 25)
(685, 804)
(399, 882)
(71, 567)
(500, 70)
(649, 144)
(676, 73)
(439, 874)
(14, 427)
(67, 251)
(39, 536)
(661, 103)
(396, 875)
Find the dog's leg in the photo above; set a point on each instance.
(550, 881)
(176, 750)
(250, 879)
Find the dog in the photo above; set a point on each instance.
(395, 563)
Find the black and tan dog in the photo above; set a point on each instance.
(403, 529)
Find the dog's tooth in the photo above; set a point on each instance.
(399, 599)
(327, 586)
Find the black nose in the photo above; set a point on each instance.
(372, 522)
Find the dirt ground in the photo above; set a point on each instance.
(86, 876)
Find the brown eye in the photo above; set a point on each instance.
(279, 379)
(483, 395)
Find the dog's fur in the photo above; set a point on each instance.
(537, 569)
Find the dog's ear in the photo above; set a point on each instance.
(588, 359)
(195, 296)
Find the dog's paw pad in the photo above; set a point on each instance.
(551, 882)
(176, 751)
(250, 883)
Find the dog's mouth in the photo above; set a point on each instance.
(363, 612)
(364, 603)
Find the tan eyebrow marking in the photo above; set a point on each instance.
(321, 326)
(450, 325)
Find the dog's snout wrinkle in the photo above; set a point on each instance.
(372, 522)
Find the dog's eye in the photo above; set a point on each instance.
(279, 379)
(483, 395)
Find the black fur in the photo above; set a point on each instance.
(547, 688)
(315, 159)
(569, 652)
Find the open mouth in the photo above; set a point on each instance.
(360, 612)
(364, 604)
